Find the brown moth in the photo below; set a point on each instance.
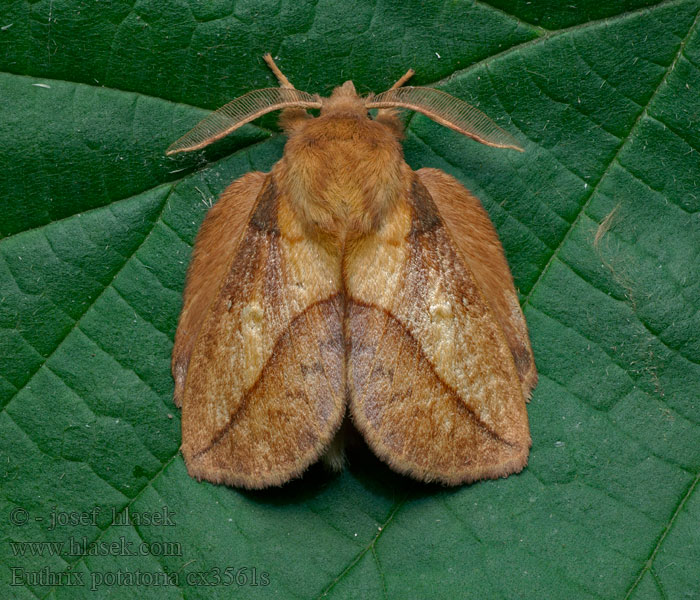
(343, 281)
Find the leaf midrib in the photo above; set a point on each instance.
(647, 566)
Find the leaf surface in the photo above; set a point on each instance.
(600, 219)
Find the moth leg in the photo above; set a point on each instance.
(290, 118)
(284, 82)
(403, 79)
(389, 116)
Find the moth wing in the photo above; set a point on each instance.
(214, 249)
(432, 383)
(265, 386)
(478, 245)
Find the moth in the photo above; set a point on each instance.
(343, 285)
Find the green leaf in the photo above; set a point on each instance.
(600, 218)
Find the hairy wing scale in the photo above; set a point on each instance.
(470, 380)
(237, 385)
(418, 255)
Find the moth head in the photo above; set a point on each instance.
(344, 100)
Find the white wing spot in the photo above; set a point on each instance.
(441, 311)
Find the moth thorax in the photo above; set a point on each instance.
(345, 187)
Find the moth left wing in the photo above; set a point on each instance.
(432, 383)
(214, 250)
(265, 386)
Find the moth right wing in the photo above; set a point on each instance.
(432, 383)
(477, 242)
(265, 386)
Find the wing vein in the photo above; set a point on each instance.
(244, 399)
